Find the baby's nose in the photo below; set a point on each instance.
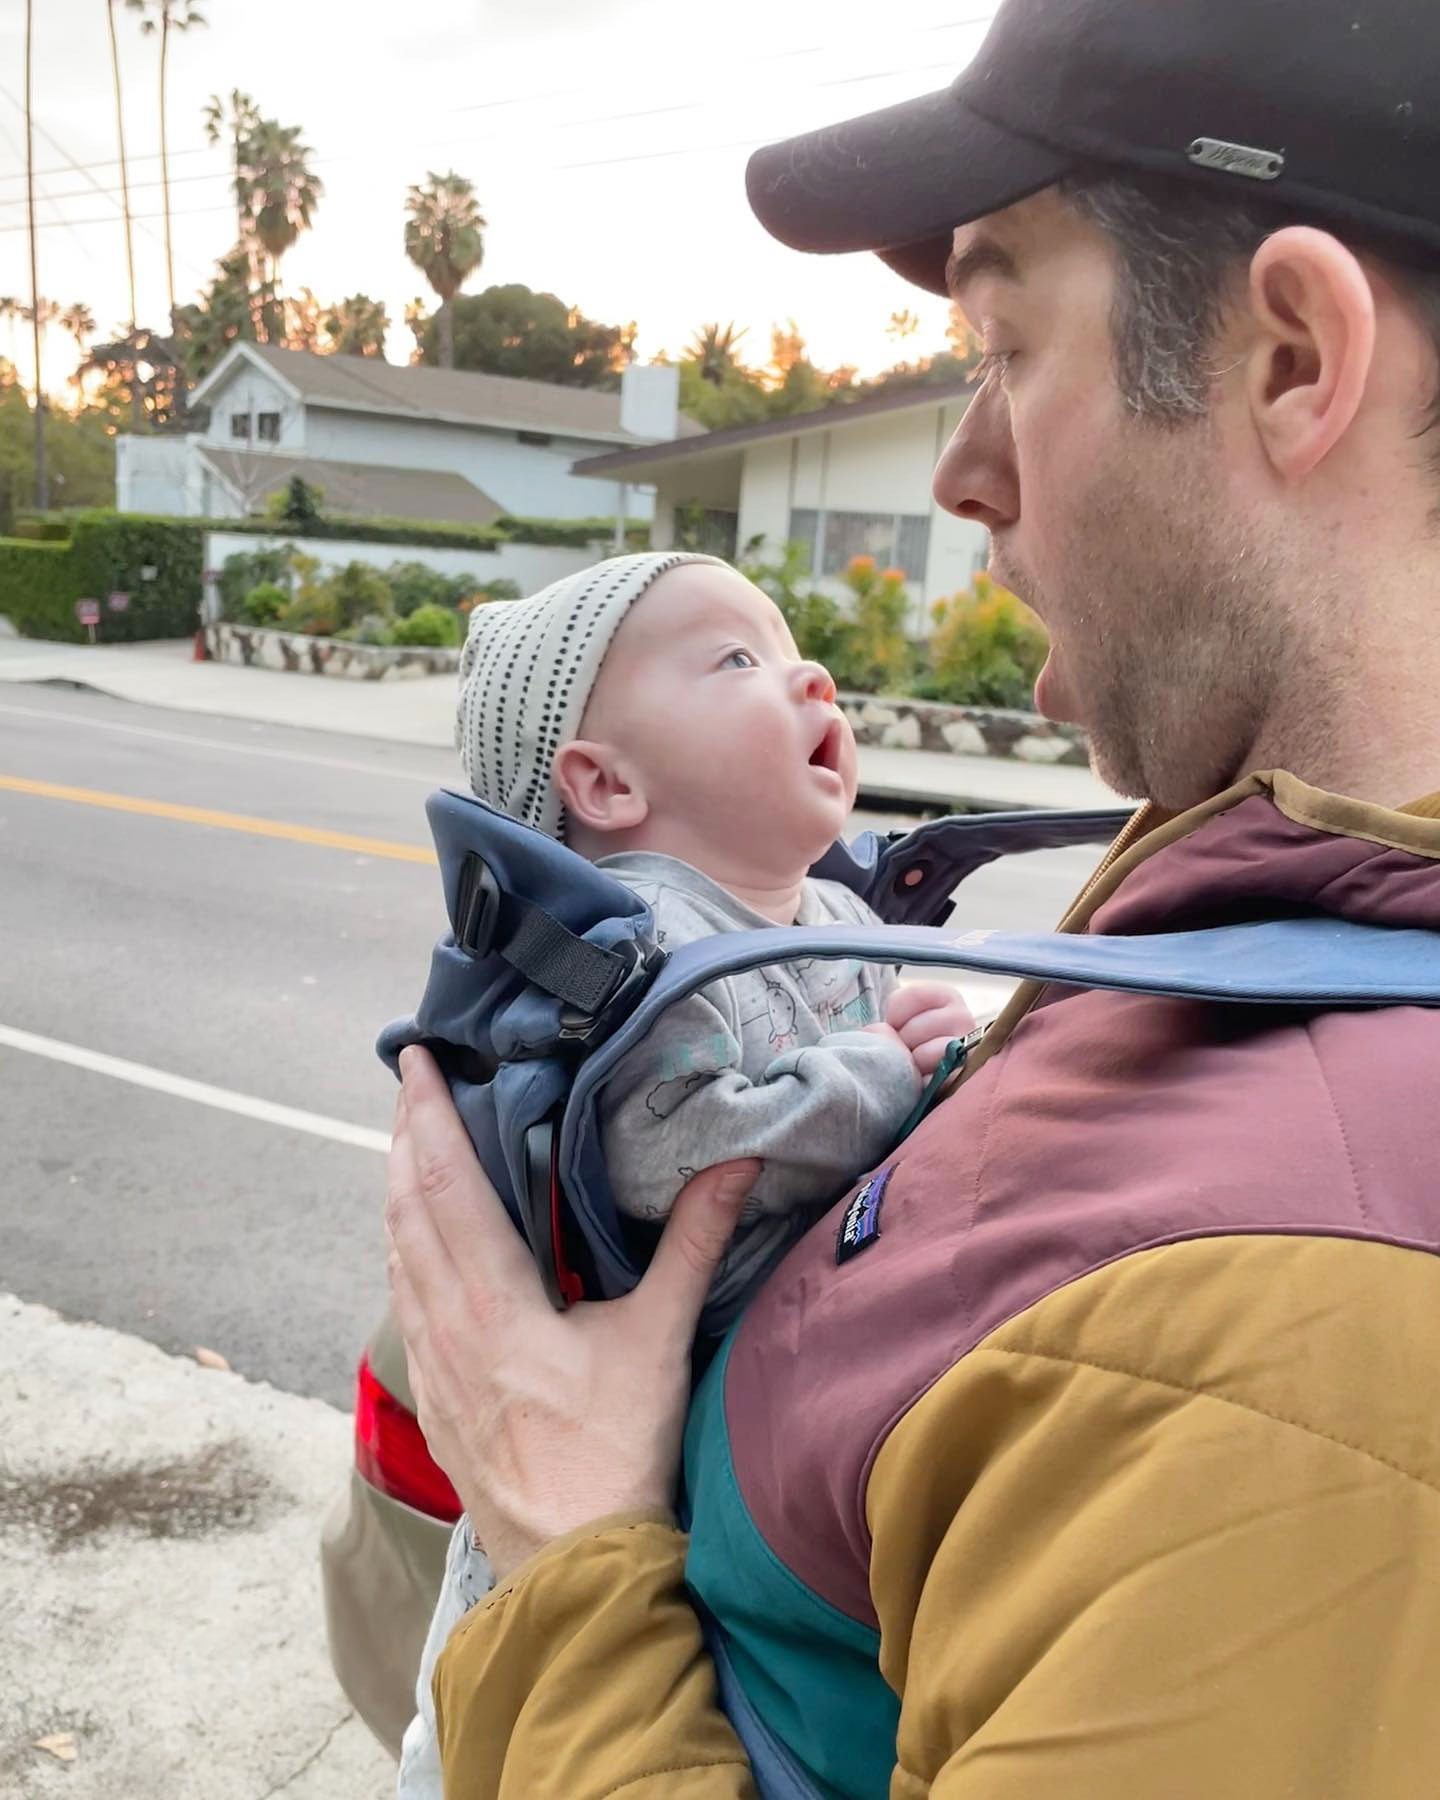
(813, 682)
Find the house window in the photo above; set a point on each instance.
(706, 530)
(805, 530)
(533, 437)
(833, 539)
(268, 427)
(240, 426)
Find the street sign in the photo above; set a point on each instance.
(88, 613)
(148, 572)
(117, 602)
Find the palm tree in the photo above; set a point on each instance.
(42, 486)
(445, 239)
(283, 189)
(124, 165)
(238, 118)
(163, 17)
(79, 321)
(712, 350)
(357, 326)
(11, 309)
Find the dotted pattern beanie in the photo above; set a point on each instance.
(527, 671)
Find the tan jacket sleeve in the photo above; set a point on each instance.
(1175, 1534)
(584, 1676)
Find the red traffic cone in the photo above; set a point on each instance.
(200, 653)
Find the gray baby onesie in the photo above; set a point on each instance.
(774, 1063)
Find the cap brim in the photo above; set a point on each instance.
(897, 182)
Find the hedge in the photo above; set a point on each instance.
(107, 553)
(41, 579)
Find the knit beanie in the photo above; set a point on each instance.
(527, 671)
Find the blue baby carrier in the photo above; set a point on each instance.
(550, 973)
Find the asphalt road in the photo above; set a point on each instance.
(256, 965)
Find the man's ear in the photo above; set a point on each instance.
(597, 787)
(1312, 305)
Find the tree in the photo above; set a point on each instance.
(237, 119)
(712, 350)
(283, 190)
(417, 323)
(160, 18)
(79, 321)
(357, 326)
(79, 454)
(512, 330)
(224, 313)
(141, 385)
(124, 164)
(445, 239)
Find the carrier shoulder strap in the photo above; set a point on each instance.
(1305, 962)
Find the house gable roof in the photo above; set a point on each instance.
(452, 396)
(363, 490)
(736, 437)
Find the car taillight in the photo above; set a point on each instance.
(391, 1453)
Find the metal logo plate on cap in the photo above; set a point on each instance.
(1237, 159)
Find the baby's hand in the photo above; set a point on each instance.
(927, 1017)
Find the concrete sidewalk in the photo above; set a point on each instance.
(161, 1631)
(421, 711)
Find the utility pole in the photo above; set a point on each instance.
(42, 487)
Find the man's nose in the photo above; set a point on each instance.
(812, 681)
(975, 477)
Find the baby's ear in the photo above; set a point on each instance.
(597, 788)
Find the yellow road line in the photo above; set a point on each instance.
(219, 821)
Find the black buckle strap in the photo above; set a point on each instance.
(596, 987)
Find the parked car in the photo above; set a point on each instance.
(382, 1549)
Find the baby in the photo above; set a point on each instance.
(654, 713)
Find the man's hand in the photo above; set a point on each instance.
(542, 1420)
(927, 1017)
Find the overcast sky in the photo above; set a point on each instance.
(606, 139)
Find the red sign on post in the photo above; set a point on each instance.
(88, 613)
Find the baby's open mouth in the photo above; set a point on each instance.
(826, 754)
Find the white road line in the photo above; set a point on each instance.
(179, 1087)
(180, 737)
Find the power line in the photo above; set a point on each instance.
(71, 166)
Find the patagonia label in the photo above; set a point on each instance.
(861, 1225)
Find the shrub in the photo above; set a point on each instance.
(435, 626)
(986, 649)
(264, 604)
(874, 655)
(358, 590)
(372, 629)
(502, 588)
(248, 569)
(416, 584)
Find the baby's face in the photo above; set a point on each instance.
(737, 740)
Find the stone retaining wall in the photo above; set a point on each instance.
(892, 724)
(260, 648)
(896, 724)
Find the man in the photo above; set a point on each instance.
(1093, 1448)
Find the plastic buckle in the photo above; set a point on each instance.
(478, 907)
(589, 1029)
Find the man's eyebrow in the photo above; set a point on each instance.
(983, 257)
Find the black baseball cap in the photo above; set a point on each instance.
(1330, 108)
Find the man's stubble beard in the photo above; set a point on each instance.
(1170, 617)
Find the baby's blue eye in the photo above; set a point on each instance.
(740, 659)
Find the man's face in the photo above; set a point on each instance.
(1153, 580)
(735, 740)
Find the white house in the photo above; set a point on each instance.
(850, 480)
(379, 439)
